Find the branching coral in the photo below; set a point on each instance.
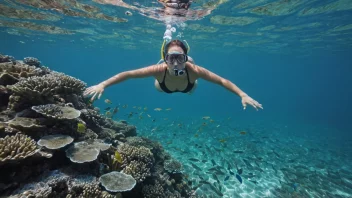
(48, 85)
(42, 89)
(173, 166)
(153, 190)
(11, 72)
(17, 147)
(136, 161)
(31, 61)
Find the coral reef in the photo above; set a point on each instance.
(117, 182)
(82, 152)
(43, 89)
(173, 166)
(54, 143)
(17, 147)
(57, 112)
(136, 161)
(31, 61)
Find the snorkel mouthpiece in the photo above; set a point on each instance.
(179, 72)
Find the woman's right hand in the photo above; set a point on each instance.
(96, 90)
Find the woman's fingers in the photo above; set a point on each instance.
(101, 93)
(93, 98)
(88, 91)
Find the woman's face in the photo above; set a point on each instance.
(176, 54)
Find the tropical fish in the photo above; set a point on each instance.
(158, 109)
(239, 171)
(193, 159)
(196, 167)
(108, 114)
(107, 109)
(238, 151)
(247, 163)
(115, 110)
(117, 157)
(295, 186)
(168, 109)
(222, 140)
(81, 128)
(213, 162)
(253, 181)
(205, 117)
(243, 133)
(239, 178)
(107, 101)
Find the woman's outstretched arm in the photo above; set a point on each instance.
(97, 90)
(212, 77)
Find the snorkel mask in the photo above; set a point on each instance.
(176, 58)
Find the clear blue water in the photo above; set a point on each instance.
(300, 73)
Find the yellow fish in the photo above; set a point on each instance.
(108, 114)
(157, 109)
(118, 157)
(81, 128)
(243, 133)
(222, 140)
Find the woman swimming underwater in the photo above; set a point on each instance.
(176, 74)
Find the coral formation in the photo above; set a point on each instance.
(11, 72)
(31, 61)
(17, 147)
(55, 141)
(153, 191)
(82, 152)
(25, 124)
(57, 112)
(173, 166)
(136, 161)
(43, 89)
(49, 107)
(117, 182)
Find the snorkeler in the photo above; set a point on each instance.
(176, 74)
(173, 11)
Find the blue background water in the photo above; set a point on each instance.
(300, 71)
(313, 89)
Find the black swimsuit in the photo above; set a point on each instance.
(166, 90)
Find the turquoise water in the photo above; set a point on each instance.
(293, 57)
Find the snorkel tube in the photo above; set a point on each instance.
(166, 39)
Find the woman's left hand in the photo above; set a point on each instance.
(248, 100)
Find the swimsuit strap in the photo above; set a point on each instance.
(187, 75)
(164, 75)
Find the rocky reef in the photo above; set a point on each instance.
(55, 143)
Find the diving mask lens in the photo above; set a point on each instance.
(179, 58)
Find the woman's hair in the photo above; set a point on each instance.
(175, 43)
